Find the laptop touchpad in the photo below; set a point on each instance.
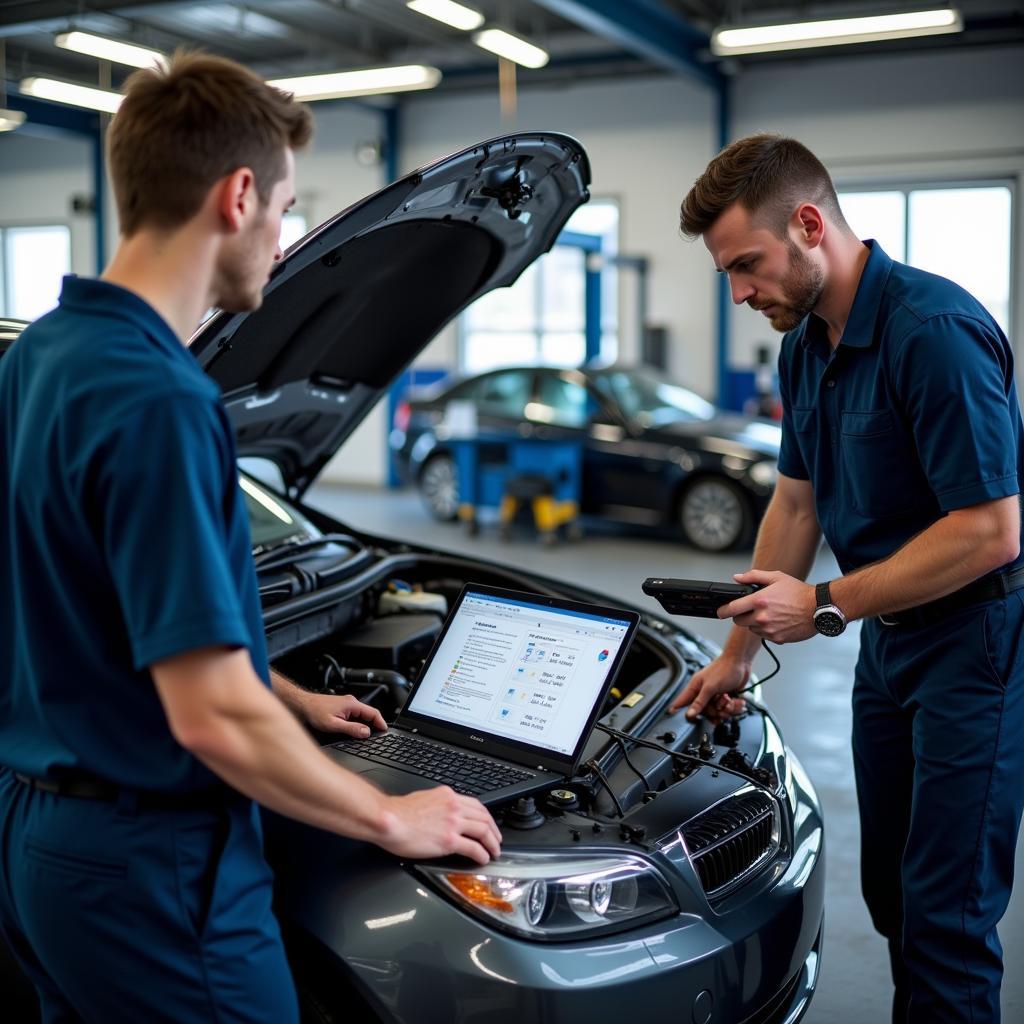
(397, 782)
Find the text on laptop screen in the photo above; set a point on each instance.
(524, 671)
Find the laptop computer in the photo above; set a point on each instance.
(506, 698)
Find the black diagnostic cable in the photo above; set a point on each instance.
(596, 768)
(625, 754)
(774, 672)
(691, 758)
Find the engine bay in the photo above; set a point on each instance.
(643, 774)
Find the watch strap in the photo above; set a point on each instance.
(822, 596)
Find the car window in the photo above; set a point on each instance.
(561, 401)
(271, 519)
(502, 394)
(651, 400)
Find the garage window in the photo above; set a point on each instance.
(959, 231)
(541, 320)
(293, 227)
(32, 262)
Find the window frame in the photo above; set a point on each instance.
(906, 184)
(537, 329)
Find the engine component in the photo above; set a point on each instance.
(524, 814)
(562, 800)
(398, 642)
(412, 601)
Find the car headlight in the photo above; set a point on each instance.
(765, 474)
(547, 896)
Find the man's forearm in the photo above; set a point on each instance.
(787, 541)
(289, 693)
(951, 553)
(247, 737)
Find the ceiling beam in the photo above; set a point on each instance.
(30, 14)
(643, 27)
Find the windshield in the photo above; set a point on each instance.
(271, 521)
(651, 400)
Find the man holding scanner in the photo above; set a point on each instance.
(902, 444)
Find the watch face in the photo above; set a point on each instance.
(828, 623)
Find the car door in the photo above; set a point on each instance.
(501, 398)
(634, 475)
(566, 408)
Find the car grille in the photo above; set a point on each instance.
(731, 840)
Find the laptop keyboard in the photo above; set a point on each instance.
(465, 773)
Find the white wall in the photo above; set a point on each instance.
(38, 177)
(647, 140)
(328, 179)
(925, 117)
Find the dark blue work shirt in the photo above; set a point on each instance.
(123, 539)
(913, 415)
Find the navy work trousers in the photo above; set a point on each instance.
(938, 712)
(120, 914)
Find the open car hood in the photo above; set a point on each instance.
(355, 301)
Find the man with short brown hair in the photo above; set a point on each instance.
(902, 443)
(137, 718)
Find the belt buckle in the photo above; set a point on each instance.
(887, 622)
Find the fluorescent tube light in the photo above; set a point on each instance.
(68, 92)
(504, 44)
(800, 35)
(11, 119)
(360, 83)
(110, 49)
(451, 13)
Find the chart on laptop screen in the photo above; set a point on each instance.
(524, 671)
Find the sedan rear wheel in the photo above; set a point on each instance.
(439, 487)
(715, 515)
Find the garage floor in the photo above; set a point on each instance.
(810, 698)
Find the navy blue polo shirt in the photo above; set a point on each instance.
(123, 539)
(913, 415)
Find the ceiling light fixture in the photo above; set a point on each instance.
(451, 13)
(68, 92)
(110, 49)
(800, 35)
(11, 119)
(504, 44)
(369, 82)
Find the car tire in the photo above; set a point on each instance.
(438, 484)
(714, 515)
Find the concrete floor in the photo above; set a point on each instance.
(810, 698)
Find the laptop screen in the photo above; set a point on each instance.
(525, 669)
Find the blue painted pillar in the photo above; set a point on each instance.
(724, 294)
(592, 300)
(99, 187)
(591, 288)
(392, 128)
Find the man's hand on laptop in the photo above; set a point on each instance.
(439, 822)
(327, 712)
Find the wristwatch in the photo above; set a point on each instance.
(828, 618)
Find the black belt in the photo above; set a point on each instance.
(988, 588)
(88, 787)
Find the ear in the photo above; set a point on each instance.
(809, 223)
(236, 197)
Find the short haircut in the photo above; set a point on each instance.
(769, 175)
(184, 126)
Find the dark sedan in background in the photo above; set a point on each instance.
(654, 453)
